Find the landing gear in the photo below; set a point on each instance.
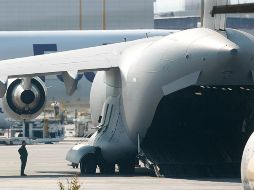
(90, 161)
(126, 167)
(88, 164)
(74, 165)
(107, 168)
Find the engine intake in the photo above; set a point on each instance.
(20, 103)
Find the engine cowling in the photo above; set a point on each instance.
(21, 103)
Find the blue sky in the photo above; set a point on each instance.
(174, 5)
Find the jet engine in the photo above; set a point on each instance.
(25, 98)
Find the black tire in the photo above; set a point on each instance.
(88, 164)
(127, 168)
(74, 165)
(107, 168)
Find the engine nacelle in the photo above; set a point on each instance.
(20, 103)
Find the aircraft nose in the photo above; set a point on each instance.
(227, 53)
(229, 49)
(212, 49)
(222, 62)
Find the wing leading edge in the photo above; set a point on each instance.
(94, 58)
(68, 63)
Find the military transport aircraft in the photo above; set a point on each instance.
(183, 102)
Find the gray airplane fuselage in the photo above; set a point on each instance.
(186, 96)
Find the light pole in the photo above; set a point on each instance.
(80, 15)
(104, 15)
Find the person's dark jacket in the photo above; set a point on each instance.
(23, 153)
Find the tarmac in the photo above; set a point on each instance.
(47, 166)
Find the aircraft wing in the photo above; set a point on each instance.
(72, 62)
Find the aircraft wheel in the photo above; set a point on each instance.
(126, 167)
(74, 165)
(107, 168)
(88, 164)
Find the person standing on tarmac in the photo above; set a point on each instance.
(23, 157)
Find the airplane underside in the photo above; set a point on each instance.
(201, 131)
